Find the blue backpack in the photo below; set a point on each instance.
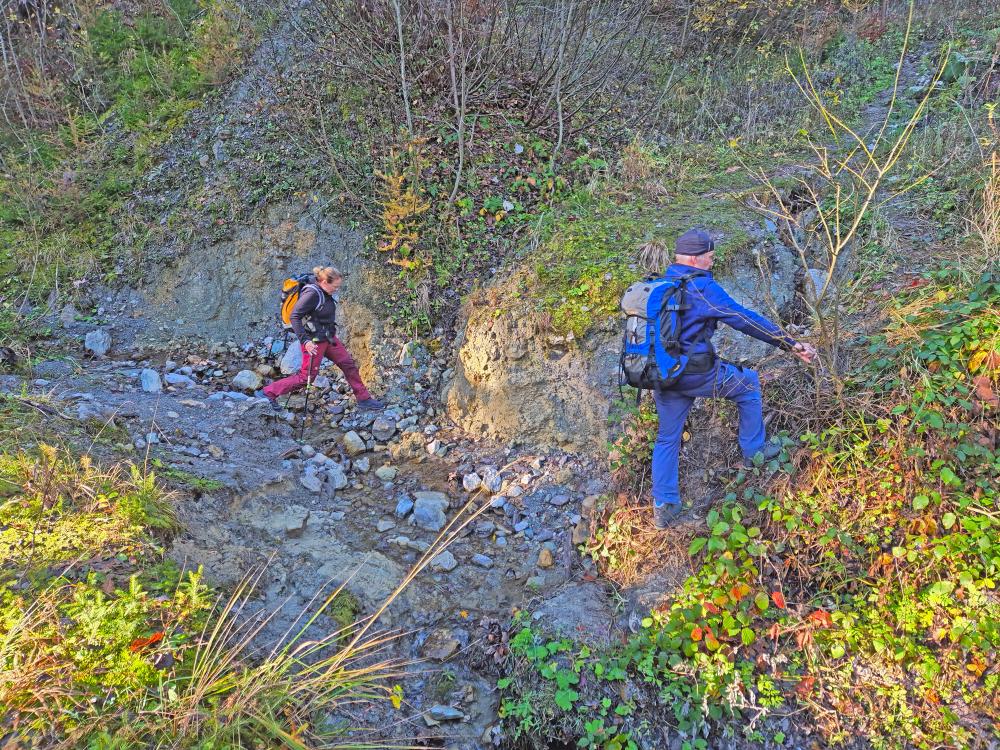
(651, 357)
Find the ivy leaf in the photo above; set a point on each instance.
(920, 502)
(565, 698)
(761, 601)
(696, 544)
(948, 520)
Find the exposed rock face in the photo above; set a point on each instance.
(233, 283)
(508, 385)
(511, 384)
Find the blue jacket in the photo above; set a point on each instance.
(711, 305)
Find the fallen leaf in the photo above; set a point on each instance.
(821, 618)
(805, 686)
(778, 598)
(984, 391)
(696, 634)
(141, 643)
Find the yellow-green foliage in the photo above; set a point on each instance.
(587, 254)
(403, 205)
(63, 182)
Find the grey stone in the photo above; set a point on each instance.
(98, 342)
(521, 526)
(386, 473)
(68, 316)
(428, 510)
(483, 561)
(440, 645)
(445, 713)
(383, 429)
(406, 354)
(472, 482)
(175, 378)
(336, 476)
(291, 361)
(293, 520)
(311, 482)
(247, 380)
(307, 451)
(444, 562)
(492, 480)
(535, 582)
(150, 381)
(559, 500)
(407, 543)
(384, 525)
(353, 444)
(363, 465)
(403, 507)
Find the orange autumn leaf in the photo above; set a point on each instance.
(141, 643)
(696, 634)
(821, 618)
(778, 598)
(738, 591)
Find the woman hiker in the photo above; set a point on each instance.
(314, 321)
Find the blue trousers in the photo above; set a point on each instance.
(738, 384)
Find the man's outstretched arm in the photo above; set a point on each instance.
(727, 310)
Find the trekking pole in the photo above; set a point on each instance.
(305, 410)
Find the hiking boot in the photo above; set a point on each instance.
(771, 450)
(266, 402)
(666, 514)
(371, 404)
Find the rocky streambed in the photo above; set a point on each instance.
(359, 500)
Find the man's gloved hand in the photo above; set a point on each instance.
(805, 352)
(311, 348)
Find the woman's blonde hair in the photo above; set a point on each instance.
(327, 273)
(653, 257)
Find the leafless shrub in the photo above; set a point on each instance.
(845, 180)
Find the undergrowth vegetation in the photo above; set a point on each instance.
(860, 588)
(105, 90)
(106, 643)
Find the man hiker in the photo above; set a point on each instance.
(314, 321)
(706, 376)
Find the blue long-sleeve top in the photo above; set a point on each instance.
(710, 305)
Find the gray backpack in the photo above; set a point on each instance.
(651, 356)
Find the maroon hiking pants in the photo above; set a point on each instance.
(337, 353)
